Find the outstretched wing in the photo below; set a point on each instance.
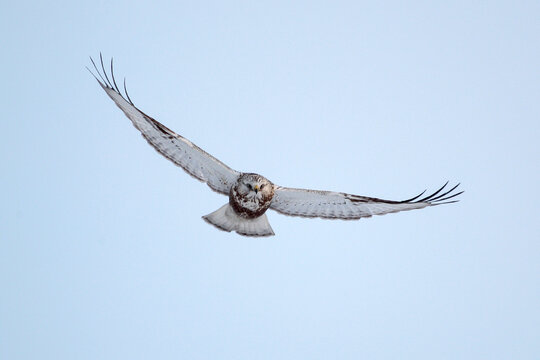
(336, 205)
(174, 147)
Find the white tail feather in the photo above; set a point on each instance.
(226, 219)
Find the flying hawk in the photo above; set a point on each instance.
(250, 195)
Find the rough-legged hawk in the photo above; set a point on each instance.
(250, 195)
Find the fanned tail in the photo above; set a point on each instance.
(227, 220)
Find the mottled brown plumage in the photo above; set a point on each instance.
(251, 195)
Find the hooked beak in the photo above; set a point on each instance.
(256, 188)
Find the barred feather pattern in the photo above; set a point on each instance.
(337, 205)
(182, 152)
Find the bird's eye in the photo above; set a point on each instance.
(262, 186)
(249, 186)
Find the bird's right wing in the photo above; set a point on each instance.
(195, 161)
(336, 205)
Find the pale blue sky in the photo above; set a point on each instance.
(103, 252)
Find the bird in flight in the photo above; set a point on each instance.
(250, 195)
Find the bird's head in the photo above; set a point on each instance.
(254, 185)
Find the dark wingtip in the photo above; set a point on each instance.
(105, 82)
(439, 198)
(102, 83)
(91, 73)
(113, 79)
(414, 198)
(450, 197)
(436, 198)
(430, 197)
(104, 72)
(127, 95)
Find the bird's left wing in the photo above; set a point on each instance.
(195, 161)
(336, 205)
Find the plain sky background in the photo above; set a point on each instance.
(103, 252)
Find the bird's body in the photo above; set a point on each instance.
(249, 198)
(251, 195)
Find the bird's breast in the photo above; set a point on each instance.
(249, 207)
